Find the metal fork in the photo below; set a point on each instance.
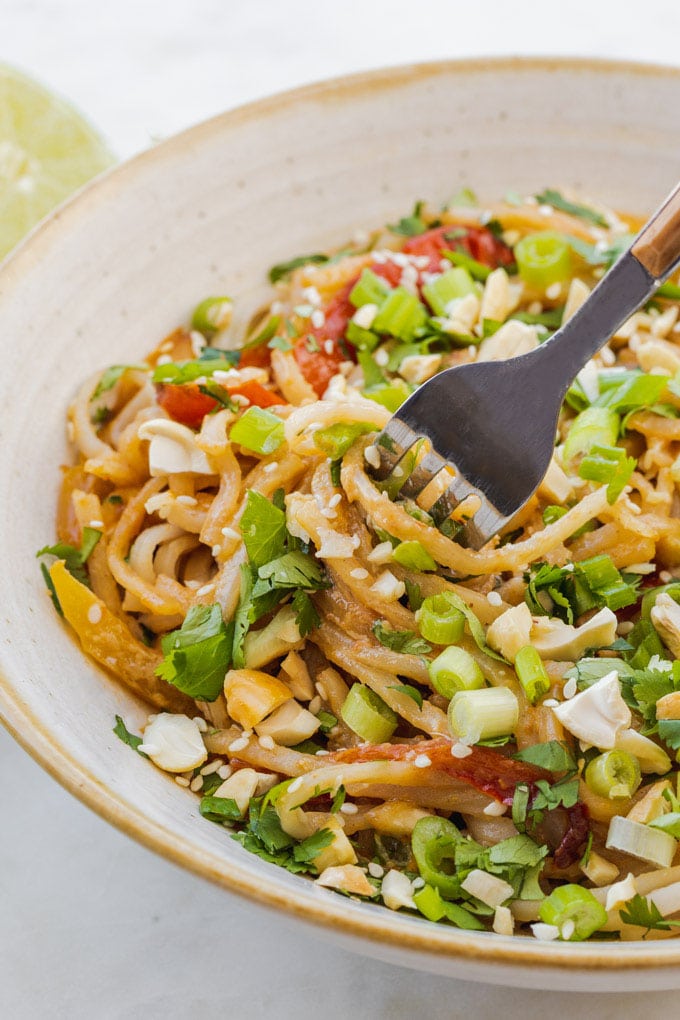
(491, 425)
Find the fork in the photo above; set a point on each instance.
(490, 427)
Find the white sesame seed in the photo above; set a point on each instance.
(321, 691)
(267, 742)
(238, 745)
(201, 723)
(553, 291)
(550, 703)
(625, 627)
(94, 613)
(372, 456)
(329, 513)
(328, 346)
(247, 734)
(211, 767)
(665, 577)
(216, 550)
(180, 780)
(359, 573)
(567, 930)
(335, 499)
(96, 524)
(321, 752)
(295, 785)
(269, 468)
(494, 599)
(349, 809)
(418, 883)
(569, 689)
(312, 295)
(495, 809)
(224, 771)
(545, 210)
(206, 589)
(375, 870)
(422, 761)
(315, 705)
(318, 319)
(187, 501)
(381, 357)
(196, 783)
(607, 355)
(164, 359)
(229, 532)
(460, 750)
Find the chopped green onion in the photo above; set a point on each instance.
(669, 290)
(431, 905)
(434, 843)
(476, 715)
(259, 430)
(211, 315)
(596, 426)
(367, 715)
(531, 673)
(551, 197)
(369, 289)
(362, 339)
(573, 903)
(401, 314)
(335, 440)
(440, 621)
(640, 841)
(413, 556)
(390, 394)
(477, 270)
(669, 823)
(610, 465)
(543, 259)
(283, 269)
(635, 390)
(455, 670)
(614, 774)
(451, 285)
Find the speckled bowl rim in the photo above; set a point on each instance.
(379, 930)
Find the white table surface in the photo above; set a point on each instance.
(92, 925)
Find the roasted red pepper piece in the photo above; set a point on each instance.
(319, 367)
(478, 242)
(187, 404)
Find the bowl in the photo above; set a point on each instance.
(208, 211)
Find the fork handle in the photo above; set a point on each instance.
(658, 244)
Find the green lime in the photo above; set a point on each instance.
(47, 151)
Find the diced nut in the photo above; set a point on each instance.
(578, 292)
(598, 714)
(651, 757)
(174, 743)
(277, 638)
(251, 695)
(666, 619)
(556, 485)
(554, 639)
(513, 338)
(652, 804)
(599, 870)
(503, 921)
(620, 893)
(290, 724)
(240, 787)
(496, 301)
(349, 878)
(173, 448)
(658, 354)
(417, 368)
(510, 631)
(397, 891)
(296, 675)
(668, 707)
(337, 853)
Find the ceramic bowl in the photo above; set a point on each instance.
(207, 212)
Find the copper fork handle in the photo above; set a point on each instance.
(657, 247)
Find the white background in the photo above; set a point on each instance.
(91, 925)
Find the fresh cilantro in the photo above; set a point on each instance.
(123, 733)
(327, 721)
(335, 469)
(645, 914)
(630, 392)
(610, 465)
(669, 731)
(74, 559)
(410, 226)
(474, 626)
(110, 377)
(52, 591)
(177, 373)
(571, 590)
(547, 797)
(414, 595)
(305, 852)
(336, 440)
(411, 692)
(280, 343)
(585, 859)
(306, 615)
(520, 806)
(583, 212)
(283, 269)
(292, 570)
(243, 616)
(338, 799)
(211, 783)
(588, 671)
(264, 335)
(220, 394)
(553, 756)
(263, 527)
(198, 654)
(219, 809)
(405, 641)
(114, 499)
(519, 851)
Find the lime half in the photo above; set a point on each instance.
(47, 150)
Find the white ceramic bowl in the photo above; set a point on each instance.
(207, 212)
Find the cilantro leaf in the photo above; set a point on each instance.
(338, 799)
(552, 756)
(311, 847)
(552, 197)
(520, 851)
(110, 377)
(263, 527)
(219, 809)
(123, 733)
(644, 913)
(669, 731)
(198, 654)
(74, 559)
(410, 226)
(405, 641)
(327, 721)
(292, 570)
(283, 269)
(414, 595)
(306, 616)
(547, 797)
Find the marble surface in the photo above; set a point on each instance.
(92, 925)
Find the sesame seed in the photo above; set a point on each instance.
(211, 767)
(224, 771)
(229, 532)
(200, 722)
(247, 734)
(418, 883)
(569, 689)
(267, 742)
(372, 456)
(495, 809)
(375, 870)
(295, 785)
(494, 599)
(334, 500)
(625, 627)
(550, 703)
(321, 691)
(359, 573)
(238, 745)
(312, 295)
(196, 783)
(422, 761)
(216, 550)
(96, 524)
(180, 780)
(187, 500)
(567, 930)
(553, 291)
(164, 359)
(349, 809)
(328, 346)
(381, 358)
(94, 613)
(329, 513)
(545, 210)
(269, 468)
(665, 577)
(318, 319)
(315, 705)
(206, 589)
(460, 750)
(321, 752)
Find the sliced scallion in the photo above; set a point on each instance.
(610, 465)
(390, 394)
(413, 556)
(369, 289)
(573, 903)
(455, 670)
(367, 715)
(401, 314)
(211, 315)
(531, 673)
(614, 774)
(477, 270)
(596, 426)
(434, 843)
(476, 715)
(451, 285)
(440, 621)
(258, 430)
(640, 841)
(543, 259)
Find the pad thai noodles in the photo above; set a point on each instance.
(488, 739)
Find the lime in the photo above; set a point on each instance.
(47, 150)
